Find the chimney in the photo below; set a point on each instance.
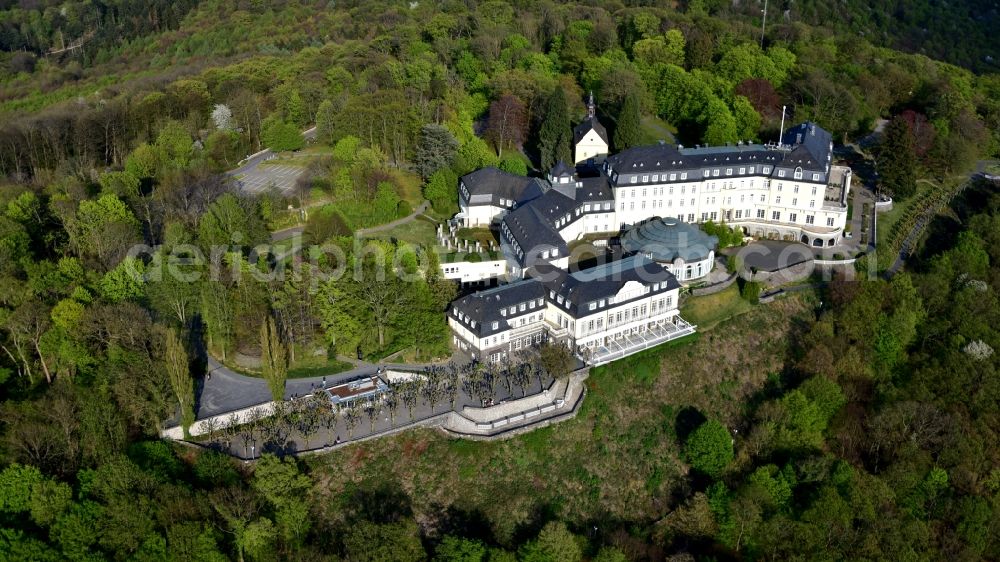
(798, 138)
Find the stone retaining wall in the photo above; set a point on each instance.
(717, 287)
(200, 427)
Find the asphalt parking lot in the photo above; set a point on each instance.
(263, 177)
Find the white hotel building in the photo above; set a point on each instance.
(789, 190)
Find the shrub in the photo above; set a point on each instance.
(404, 209)
(750, 291)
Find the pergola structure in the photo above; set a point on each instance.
(628, 344)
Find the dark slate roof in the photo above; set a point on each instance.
(806, 145)
(561, 169)
(604, 281)
(498, 184)
(484, 307)
(533, 232)
(534, 190)
(811, 146)
(594, 189)
(668, 239)
(649, 158)
(590, 123)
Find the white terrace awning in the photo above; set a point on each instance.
(632, 343)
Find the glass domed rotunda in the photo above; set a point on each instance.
(683, 249)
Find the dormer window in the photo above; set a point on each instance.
(684, 175)
(707, 173)
(592, 306)
(633, 179)
(729, 171)
(781, 173)
(496, 324)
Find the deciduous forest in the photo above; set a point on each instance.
(857, 421)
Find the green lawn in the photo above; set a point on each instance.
(419, 232)
(709, 310)
(482, 235)
(655, 129)
(409, 187)
(325, 368)
(888, 218)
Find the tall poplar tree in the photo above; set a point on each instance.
(273, 358)
(627, 128)
(179, 372)
(554, 135)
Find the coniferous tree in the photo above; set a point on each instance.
(554, 134)
(897, 159)
(273, 359)
(435, 149)
(627, 128)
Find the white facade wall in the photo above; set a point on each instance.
(755, 202)
(596, 329)
(470, 272)
(591, 146)
(481, 215)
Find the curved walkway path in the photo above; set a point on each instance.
(362, 232)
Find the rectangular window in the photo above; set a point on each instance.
(673, 177)
(795, 201)
(767, 169)
(586, 208)
(690, 217)
(751, 169)
(715, 172)
(812, 204)
(669, 301)
(743, 171)
(792, 217)
(829, 221)
(815, 177)
(645, 178)
(796, 190)
(715, 215)
(634, 179)
(776, 215)
(810, 219)
(760, 213)
(763, 198)
(729, 171)
(707, 173)
(777, 200)
(781, 173)
(684, 175)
